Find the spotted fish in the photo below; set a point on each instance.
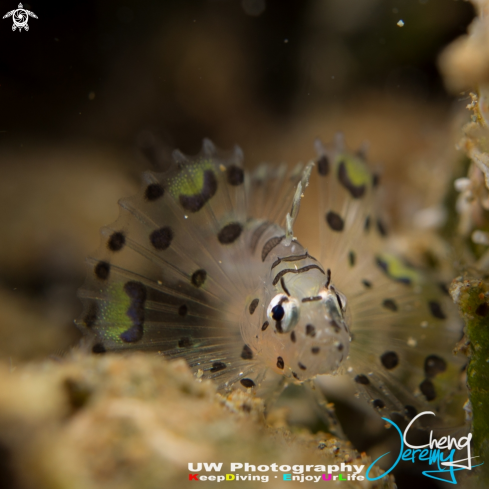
(203, 265)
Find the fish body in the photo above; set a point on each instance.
(203, 265)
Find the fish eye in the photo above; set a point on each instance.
(284, 311)
(278, 312)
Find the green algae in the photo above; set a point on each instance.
(472, 297)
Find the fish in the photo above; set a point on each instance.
(203, 265)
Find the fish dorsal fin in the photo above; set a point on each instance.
(296, 201)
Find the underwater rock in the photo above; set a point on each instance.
(115, 421)
(465, 62)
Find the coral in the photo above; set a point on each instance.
(465, 66)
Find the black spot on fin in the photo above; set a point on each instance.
(194, 203)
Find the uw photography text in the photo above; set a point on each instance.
(441, 452)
